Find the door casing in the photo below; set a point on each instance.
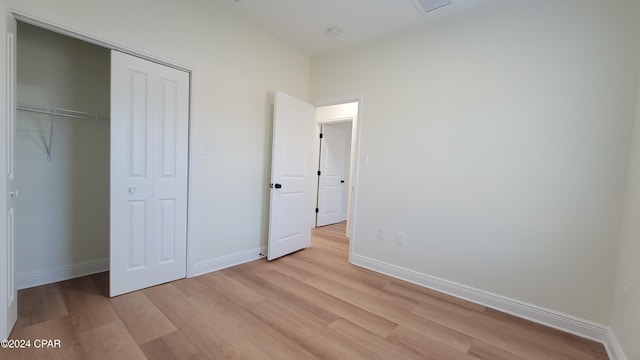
(8, 298)
(355, 163)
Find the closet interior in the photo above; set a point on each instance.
(62, 157)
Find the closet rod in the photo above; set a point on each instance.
(58, 111)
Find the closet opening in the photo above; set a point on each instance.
(62, 157)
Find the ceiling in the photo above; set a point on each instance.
(303, 24)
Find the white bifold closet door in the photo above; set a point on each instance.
(149, 154)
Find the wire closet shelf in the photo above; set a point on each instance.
(58, 112)
(53, 112)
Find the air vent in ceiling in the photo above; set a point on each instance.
(429, 5)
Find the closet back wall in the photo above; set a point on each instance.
(62, 222)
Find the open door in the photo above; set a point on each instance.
(149, 155)
(9, 300)
(292, 206)
(332, 177)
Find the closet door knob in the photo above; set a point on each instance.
(132, 189)
(14, 193)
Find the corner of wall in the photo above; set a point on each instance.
(614, 350)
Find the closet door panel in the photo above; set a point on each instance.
(170, 167)
(131, 172)
(137, 127)
(149, 138)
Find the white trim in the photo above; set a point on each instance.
(551, 318)
(613, 347)
(341, 119)
(24, 281)
(223, 262)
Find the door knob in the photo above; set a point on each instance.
(341, 181)
(278, 186)
(14, 193)
(132, 189)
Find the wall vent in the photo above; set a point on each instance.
(426, 6)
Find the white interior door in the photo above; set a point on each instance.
(9, 302)
(149, 153)
(332, 179)
(292, 205)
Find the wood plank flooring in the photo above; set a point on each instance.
(308, 305)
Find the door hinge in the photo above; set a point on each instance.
(321, 135)
(319, 172)
(317, 210)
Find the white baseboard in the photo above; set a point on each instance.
(554, 319)
(223, 262)
(24, 281)
(613, 347)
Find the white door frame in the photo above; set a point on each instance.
(135, 50)
(8, 301)
(356, 129)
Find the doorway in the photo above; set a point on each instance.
(336, 154)
(297, 156)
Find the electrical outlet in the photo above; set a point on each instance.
(380, 233)
(400, 238)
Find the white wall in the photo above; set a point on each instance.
(63, 203)
(625, 318)
(497, 141)
(237, 70)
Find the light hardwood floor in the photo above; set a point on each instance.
(308, 305)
